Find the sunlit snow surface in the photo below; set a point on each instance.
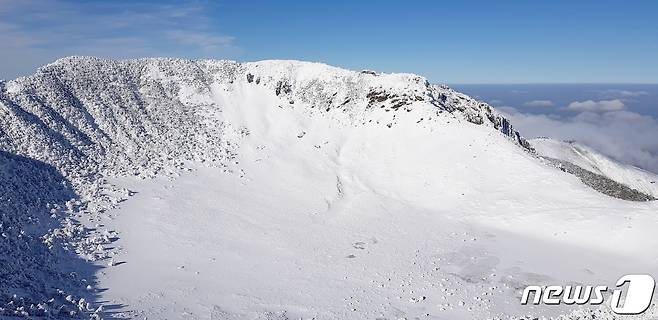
(306, 191)
(448, 221)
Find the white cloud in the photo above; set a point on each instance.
(507, 109)
(33, 33)
(539, 103)
(596, 106)
(495, 102)
(623, 135)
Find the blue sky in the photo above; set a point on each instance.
(448, 42)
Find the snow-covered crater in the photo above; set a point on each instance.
(320, 192)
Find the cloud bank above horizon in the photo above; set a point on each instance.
(620, 121)
(607, 126)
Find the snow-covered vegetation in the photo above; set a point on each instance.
(281, 189)
(594, 162)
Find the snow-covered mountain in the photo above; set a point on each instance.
(113, 116)
(285, 190)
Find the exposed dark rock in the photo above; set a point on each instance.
(377, 96)
(284, 87)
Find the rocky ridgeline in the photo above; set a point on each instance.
(327, 89)
(89, 116)
(80, 120)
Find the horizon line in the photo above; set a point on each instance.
(548, 83)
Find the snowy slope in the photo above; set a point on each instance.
(285, 190)
(593, 161)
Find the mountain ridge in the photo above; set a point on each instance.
(394, 92)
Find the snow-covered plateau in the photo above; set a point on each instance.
(211, 189)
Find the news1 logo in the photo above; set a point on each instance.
(635, 299)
